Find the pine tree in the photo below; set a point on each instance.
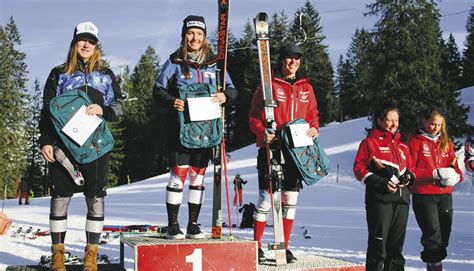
(357, 89)
(145, 153)
(407, 61)
(13, 109)
(451, 64)
(116, 128)
(278, 32)
(468, 53)
(316, 64)
(35, 174)
(243, 67)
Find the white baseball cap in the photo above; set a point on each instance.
(86, 30)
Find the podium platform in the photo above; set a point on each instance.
(158, 253)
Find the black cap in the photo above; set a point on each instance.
(193, 21)
(289, 50)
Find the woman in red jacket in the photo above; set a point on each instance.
(296, 99)
(436, 169)
(381, 163)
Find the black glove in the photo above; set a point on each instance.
(407, 178)
(377, 183)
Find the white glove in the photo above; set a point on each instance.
(451, 181)
(447, 176)
(444, 173)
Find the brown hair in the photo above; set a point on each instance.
(183, 54)
(444, 139)
(72, 64)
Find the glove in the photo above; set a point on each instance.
(377, 183)
(444, 173)
(407, 178)
(450, 181)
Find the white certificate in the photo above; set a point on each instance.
(298, 135)
(203, 109)
(80, 127)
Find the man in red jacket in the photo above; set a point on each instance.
(296, 99)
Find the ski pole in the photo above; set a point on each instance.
(227, 191)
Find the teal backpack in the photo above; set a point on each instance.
(198, 134)
(312, 161)
(62, 108)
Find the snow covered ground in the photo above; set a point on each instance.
(332, 210)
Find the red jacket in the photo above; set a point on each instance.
(294, 101)
(426, 155)
(385, 147)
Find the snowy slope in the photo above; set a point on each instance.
(332, 210)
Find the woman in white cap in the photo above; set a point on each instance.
(296, 99)
(83, 70)
(192, 64)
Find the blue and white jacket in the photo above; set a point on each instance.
(166, 89)
(101, 86)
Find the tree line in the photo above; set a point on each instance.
(403, 59)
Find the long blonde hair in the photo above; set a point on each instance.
(443, 132)
(183, 54)
(72, 62)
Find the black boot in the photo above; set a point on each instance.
(261, 256)
(289, 257)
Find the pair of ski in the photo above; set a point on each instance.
(274, 170)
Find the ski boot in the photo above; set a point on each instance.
(194, 232)
(90, 257)
(289, 257)
(261, 256)
(174, 232)
(57, 258)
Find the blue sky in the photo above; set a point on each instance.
(128, 27)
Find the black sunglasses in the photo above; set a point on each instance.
(91, 42)
(293, 57)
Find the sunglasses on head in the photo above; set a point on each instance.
(91, 42)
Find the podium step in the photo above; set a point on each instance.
(75, 267)
(159, 253)
(312, 262)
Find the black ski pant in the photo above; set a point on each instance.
(387, 227)
(434, 214)
(94, 173)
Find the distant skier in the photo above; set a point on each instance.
(238, 189)
(436, 168)
(192, 65)
(296, 99)
(23, 192)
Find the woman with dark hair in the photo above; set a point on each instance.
(193, 63)
(381, 163)
(83, 70)
(436, 168)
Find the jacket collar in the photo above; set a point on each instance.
(385, 136)
(211, 60)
